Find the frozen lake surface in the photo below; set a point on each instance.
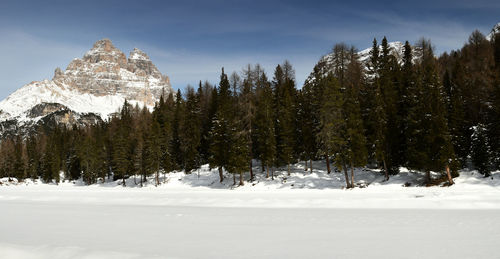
(129, 223)
(304, 215)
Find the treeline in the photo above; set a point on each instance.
(418, 111)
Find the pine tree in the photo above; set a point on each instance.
(368, 98)
(51, 162)
(379, 138)
(481, 150)
(388, 74)
(331, 137)
(7, 148)
(221, 130)
(239, 152)
(191, 131)
(122, 155)
(142, 147)
(284, 87)
(356, 141)
(342, 129)
(166, 111)
(154, 151)
(493, 126)
(175, 145)
(33, 157)
(87, 152)
(456, 117)
(208, 98)
(247, 107)
(19, 168)
(430, 147)
(264, 125)
(408, 96)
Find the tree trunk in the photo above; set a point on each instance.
(272, 174)
(450, 180)
(241, 179)
(311, 165)
(234, 179)
(251, 171)
(123, 180)
(352, 175)
(328, 169)
(348, 185)
(157, 178)
(141, 180)
(220, 174)
(385, 169)
(428, 177)
(305, 168)
(288, 169)
(135, 179)
(267, 171)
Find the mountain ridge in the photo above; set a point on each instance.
(98, 83)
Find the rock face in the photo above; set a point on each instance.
(96, 84)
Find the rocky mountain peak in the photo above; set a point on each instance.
(138, 54)
(104, 45)
(98, 84)
(140, 63)
(104, 50)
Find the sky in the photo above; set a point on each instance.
(191, 40)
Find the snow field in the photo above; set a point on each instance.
(296, 216)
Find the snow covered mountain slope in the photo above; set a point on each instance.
(327, 62)
(97, 84)
(495, 30)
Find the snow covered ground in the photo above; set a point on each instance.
(297, 216)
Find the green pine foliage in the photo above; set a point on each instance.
(481, 150)
(430, 147)
(175, 142)
(191, 131)
(264, 125)
(285, 112)
(221, 130)
(331, 137)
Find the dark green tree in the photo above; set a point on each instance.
(481, 150)
(284, 92)
(264, 125)
(221, 130)
(191, 131)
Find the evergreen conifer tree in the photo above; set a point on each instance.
(191, 131)
(176, 142)
(264, 125)
(221, 130)
(481, 150)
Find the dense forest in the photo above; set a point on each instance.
(418, 111)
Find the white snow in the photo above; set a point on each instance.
(138, 55)
(304, 215)
(495, 30)
(18, 103)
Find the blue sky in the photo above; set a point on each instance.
(190, 40)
